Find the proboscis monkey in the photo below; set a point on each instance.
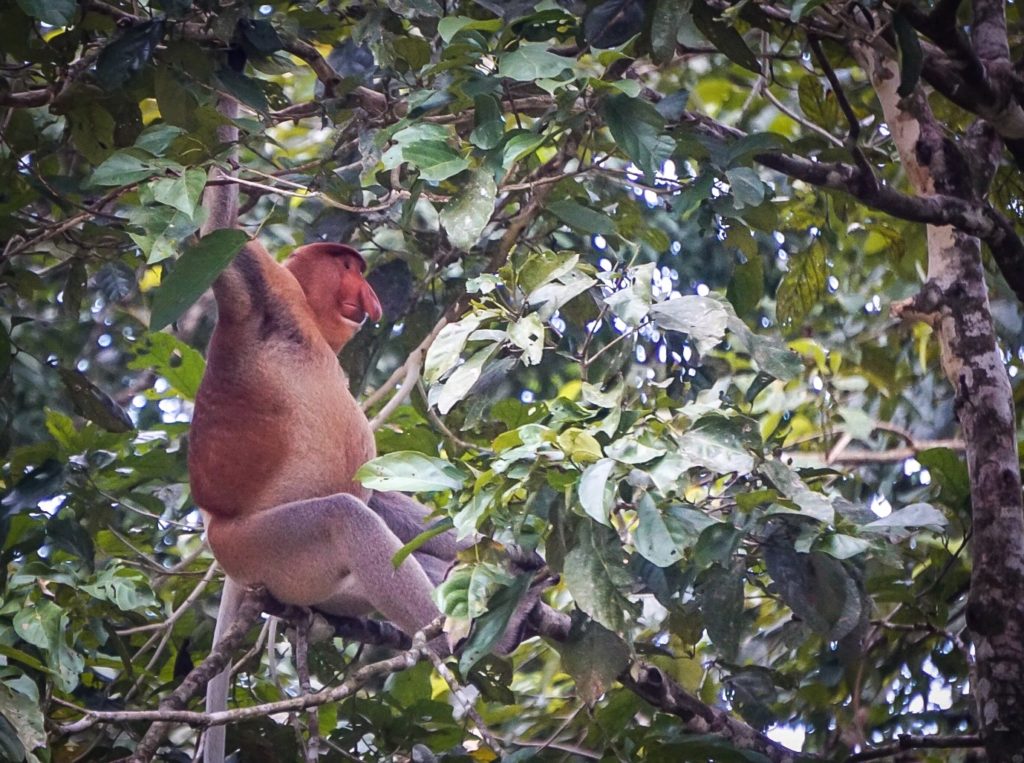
(276, 439)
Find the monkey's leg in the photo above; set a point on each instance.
(333, 553)
(217, 688)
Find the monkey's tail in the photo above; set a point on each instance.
(217, 688)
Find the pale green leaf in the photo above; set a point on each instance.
(410, 471)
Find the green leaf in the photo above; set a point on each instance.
(435, 159)
(581, 217)
(594, 657)
(489, 126)
(123, 168)
(467, 214)
(181, 365)
(788, 483)
(595, 492)
(446, 350)
(721, 605)
(52, 12)
(410, 471)
(819, 105)
(747, 188)
(702, 318)
(637, 128)
(914, 515)
(488, 629)
(93, 403)
(23, 717)
(193, 274)
(771, 355)
(594, 572)
(747, 286)
(528, 335)
(6, 351)
(42, 482)
(716, 443)
(183, 193)
(801, 288)
(461, 380)
(532, 61)
(126, 56)
(260, 37)
(802, 7)
(245, 89)
(156, 139)
(911, 55)
(92, 130)
(653, 539)
(815, 586)
(665, 22)
(842, 546)
(724, 37)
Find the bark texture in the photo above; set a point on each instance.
(954, 301)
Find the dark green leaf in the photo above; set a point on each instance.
(637, 128)
(44, 481)
(260, 38)
(435, 159)
(52, 12)
(747, 286)
(581, 217)
(123, 168)
(665, 28)
(593, 656)
(613, 22)
(92, 130)
(125, 57)
(489, 126)
(193, 274)
(489, 628)
(6, 350)
(245, 89)
(721, 604)
(815, 586)
(93, 403)
(595, 573)
(723, 36)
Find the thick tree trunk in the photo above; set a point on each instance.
(955, 302)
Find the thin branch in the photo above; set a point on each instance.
(800, 120)
(467, 705)
(916, 742)
(853, 136)
(401, 374)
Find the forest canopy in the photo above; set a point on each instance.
(709, 310)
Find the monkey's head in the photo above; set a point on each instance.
(331, 275)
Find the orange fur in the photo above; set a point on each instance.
(274, 420)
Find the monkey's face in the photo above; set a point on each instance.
(331, 275)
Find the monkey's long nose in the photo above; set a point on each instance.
(369, 302)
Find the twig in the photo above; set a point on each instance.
(460, 694)
(302, 667)
(400, 374)
(917, 742)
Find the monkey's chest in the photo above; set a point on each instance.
(260, 440)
